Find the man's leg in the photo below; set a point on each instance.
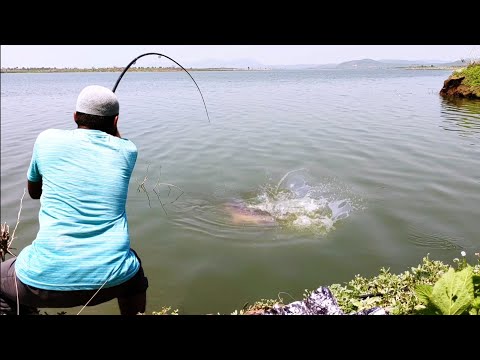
(131, 294)
(10, 290)
(133, 300)
(132, 305)
(31, 298)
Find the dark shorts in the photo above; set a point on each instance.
(31, 297)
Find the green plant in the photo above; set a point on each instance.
(457, 292)
(395, 293)
(258, 306)
(471, 73)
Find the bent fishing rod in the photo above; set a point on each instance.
(159, 56)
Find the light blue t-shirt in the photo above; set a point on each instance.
(83, 240)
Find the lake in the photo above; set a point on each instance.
(359, 170)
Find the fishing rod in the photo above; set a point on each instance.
(159, 56)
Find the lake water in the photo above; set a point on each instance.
(358, 170)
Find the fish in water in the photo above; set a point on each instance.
(240, 213)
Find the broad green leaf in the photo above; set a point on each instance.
(423, 292)
(453, 292)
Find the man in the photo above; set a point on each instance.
(81, 255)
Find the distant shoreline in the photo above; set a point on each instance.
(425, 67)
(176, 69)
(117, 69)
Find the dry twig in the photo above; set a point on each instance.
(142, 186)
(5, 239)
(156, 190)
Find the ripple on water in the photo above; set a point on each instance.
(269, 214)
(422, 238)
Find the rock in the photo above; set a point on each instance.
(320, 302)
(453, 87)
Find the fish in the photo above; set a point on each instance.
(241, 214)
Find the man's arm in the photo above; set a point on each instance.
(35, 189)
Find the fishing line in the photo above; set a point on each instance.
(159, 56)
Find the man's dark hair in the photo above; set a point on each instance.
(95, 122)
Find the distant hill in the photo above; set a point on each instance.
(412, 62)
(252, 64)
(457, 63)
(363, 64)
(384, 64)
(370, 64)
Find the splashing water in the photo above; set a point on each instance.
(293, 203)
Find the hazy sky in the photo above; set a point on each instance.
(121, 55)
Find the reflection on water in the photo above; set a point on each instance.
(462, 116)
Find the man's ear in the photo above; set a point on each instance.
(115, 121)
(75, 117)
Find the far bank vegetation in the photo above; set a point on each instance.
(106, 69)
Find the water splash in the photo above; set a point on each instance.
(294, 203)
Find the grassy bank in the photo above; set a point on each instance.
(463, 83)
(472, 75)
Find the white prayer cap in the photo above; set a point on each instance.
(98, 100)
